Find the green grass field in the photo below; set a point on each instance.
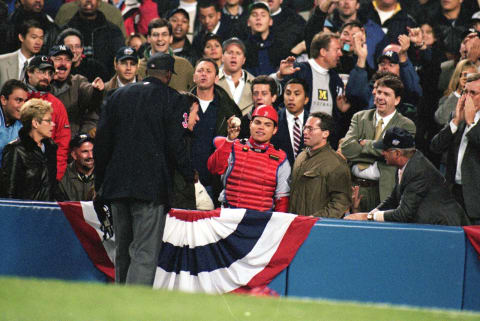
(31, 299)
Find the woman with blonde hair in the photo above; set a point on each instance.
(29, 163)
(448, 102)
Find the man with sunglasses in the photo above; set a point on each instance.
(38, 77)
(321, 184)
(461, 138)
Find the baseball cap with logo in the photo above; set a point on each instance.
(397, 138)
(126, 53)
(79, 139)
(41, 62)
(266, 111)
(60, 50)
(390, 55)
(236, 41)
(161, 61)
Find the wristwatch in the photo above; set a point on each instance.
(370, 216)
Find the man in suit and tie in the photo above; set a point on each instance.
(291, 119)
(461, 138)
(369, 170)
(13, 65)
(421, 194)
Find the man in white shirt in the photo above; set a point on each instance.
(13, 65)
(236, 81)
(461, 137)
(369, 170)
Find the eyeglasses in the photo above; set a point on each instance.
(309, 129)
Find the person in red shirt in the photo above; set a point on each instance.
(254, 173)
(38, 77)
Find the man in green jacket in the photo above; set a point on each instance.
(321, 184)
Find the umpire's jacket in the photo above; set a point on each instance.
(140, 127)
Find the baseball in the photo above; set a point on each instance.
(236, 122)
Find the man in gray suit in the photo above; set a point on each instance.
(369, 170)
(461, 138)
(421, 193)
(13, 65)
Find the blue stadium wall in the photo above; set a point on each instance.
(405, 264)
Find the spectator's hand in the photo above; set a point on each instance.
(92, 132)
(360, 48)
(233, 129)
(286, 67)
(327, 6)
(362, 142)
(356, 198)
(342, 103)
(460, 110)
(404, 42)
(473, 49)
(469, 110)
(416, 37)
(98, 84)
(356, 217)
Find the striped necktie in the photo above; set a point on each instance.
(296, 136)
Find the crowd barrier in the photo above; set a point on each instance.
(405, 264)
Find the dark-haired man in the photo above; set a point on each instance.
(421, 194)
(160, 36)
(12, 96)
(13, 65)
(126, 66)
(375, 178)
(321, 184)
(78, 182)
(77, 94)
(245, 186)
(291, 119)
(181, 46)
(216, 107)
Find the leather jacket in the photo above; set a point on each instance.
(27, 172)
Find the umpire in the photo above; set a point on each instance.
(139, 129)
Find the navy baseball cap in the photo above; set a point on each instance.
(390, 55)
(60, 50)
(126, 53)
(397, 138)
(41, 62)
(161, 61)
(79, 139)
(177, 10)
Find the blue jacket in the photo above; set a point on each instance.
(335, 85)
(359, 90)
(7, 134)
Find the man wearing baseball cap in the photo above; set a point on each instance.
(254, 173)
(78, 182)
(139, 134)
(126, 66)
(38, 77)
(236, 81)
(77, 94)
(421, 193)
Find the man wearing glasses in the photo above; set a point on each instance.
(321, 184)
(461, 137)
(39, 74)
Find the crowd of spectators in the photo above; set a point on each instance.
(351, 69)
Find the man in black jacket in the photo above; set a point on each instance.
(101, 38)
(421, 193)
(139, 129)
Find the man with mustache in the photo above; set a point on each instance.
(78, 182)
(38, 77)
(77, 94)
(369, 170)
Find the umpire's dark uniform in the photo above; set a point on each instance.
(140, 127)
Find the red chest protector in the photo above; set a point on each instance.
(252, 180)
